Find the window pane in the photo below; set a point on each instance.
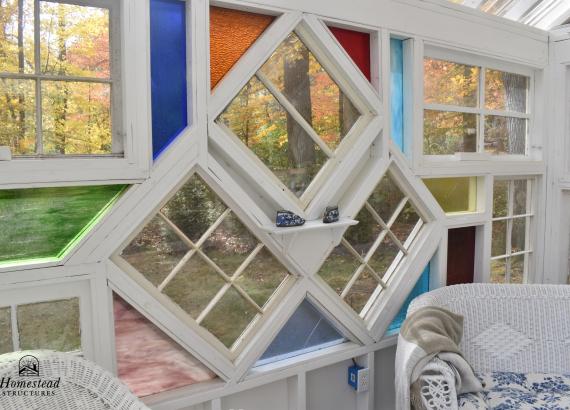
(230, 317)
(47, 222)
(498, 271)
(446, 133)
(148, 361)
(339, 268)
(500, 198)
(232, 32)
(76, 118)
(518, 235)
(384, 256)
(194, 208)
(397, 92)
(505, 91)
(357, 46)
(450, 83)
(262, 277)
(50, 325)
(517, 269)
(194, 286)
(307, 330)
(17, 115)
(168, 59)
(155, 251)
(5, 331)
(454, 194)
(499, 244)
(301, 78)
(279, 142)
(405, 223)
(505, 135)
(362, 235)
(74, 40)
(520, 197)
(386, 198)
(361, 291)
(17, 37)
(229, 244)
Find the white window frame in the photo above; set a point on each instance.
(131, 114)
(342, 70)
(480, 111)
(15, 295)
(529, 218)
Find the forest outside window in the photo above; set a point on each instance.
(511, 230)
(474, 108)
(292, 115)
(58, 78)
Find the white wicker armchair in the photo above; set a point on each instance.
(507, 328)
(83, 385)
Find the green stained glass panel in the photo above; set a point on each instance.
(43, 223)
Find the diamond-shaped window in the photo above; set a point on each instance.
(291, 114)
(199, 254)
(363, 263)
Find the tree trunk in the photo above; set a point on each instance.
(301, 148)
(515, 88)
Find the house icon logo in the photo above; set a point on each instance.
(29, 366)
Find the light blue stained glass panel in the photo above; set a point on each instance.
(306, 331)
(397, 91)
(168, 71)
(422, 286)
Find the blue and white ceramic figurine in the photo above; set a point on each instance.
(331, 214)
(287, 219)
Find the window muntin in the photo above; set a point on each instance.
(369, 253)
(512, 218)
(291, 114)
(58, 81)
(53, 325)
(474, 109)
(198, 253)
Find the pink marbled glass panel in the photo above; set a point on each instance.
(148, 361)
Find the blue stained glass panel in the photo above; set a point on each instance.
(306, 331)
(422, 286)
(168, 71)
(397, 91)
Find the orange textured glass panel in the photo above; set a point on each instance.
(232, 32)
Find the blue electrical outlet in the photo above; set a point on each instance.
(353, 376)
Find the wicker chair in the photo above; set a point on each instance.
(83, 385)
(507, 328)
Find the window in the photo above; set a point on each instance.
(292, 115)
(474, 108)
(43, 224)
(196, 254)
(52, 325)
(369, 253)
(306, 331)
(458, 194)
(58, 79)
(148, 361)
(512, 218)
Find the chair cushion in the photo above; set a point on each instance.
(531, 391)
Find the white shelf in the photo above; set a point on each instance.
(310, 226)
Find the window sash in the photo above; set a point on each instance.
(114, 71)
(480, 110)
